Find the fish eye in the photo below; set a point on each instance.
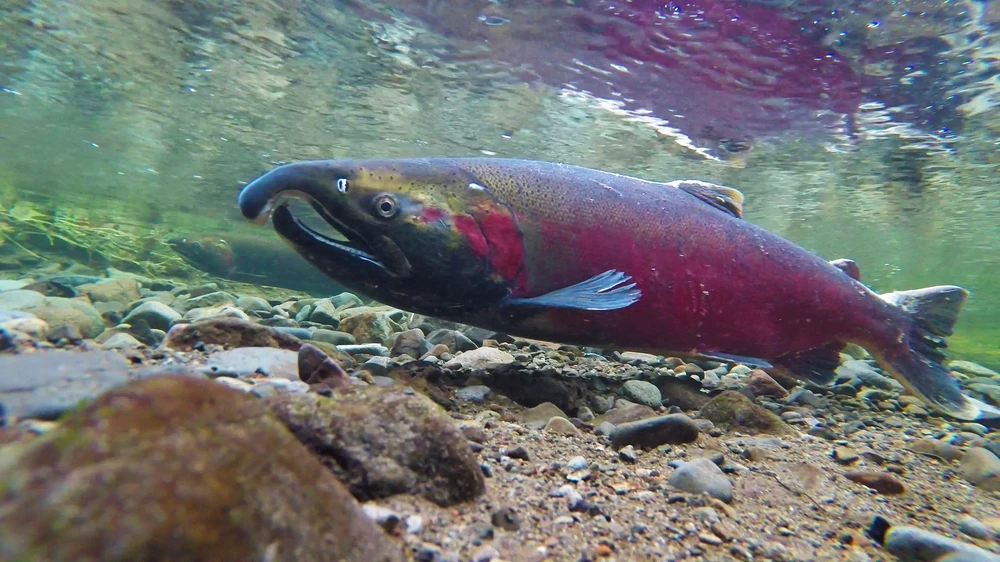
(343, 185)
(385, 206)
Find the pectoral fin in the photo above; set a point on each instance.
(610, 290)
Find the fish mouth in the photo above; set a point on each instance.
(375, 254)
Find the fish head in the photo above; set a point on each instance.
(211, 253)
(421, 235)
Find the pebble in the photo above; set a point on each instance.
(155, 314)
(604, 428)
(577, 463)
(702, 475)
(333, 337)
(235, 383)
(642, 392)
(210, 300)
(324, 312)
(561, 426)
(671, 429)
(121, 341)
(761, 384)
(253, 304)
(480, 358)
(378, 366)
(414, 524)
(485, 554)
(804, 397)
(845, 455)
(970, 368)
(881, 482)
(974, 528)
(982, 469)
(936, 448)
(628, 454)
(274, 387)
(475, 393)
(454, 340)
(539, 416)
(246, 361)
(913, 544)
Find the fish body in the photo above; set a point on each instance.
(575, 255)
(252, 259)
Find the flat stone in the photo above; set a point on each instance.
(480, 358)
(325, 312)
(630, 413)
(246, 361)
(455, 340)
(936, 448)
(367, 327)
(121, 341)
(346, 301)
(253, 304)
(982, 468)
(910, 543)
(537, 417)
(761, 384)
(410, 342)
(845, 455)
(967, 367)
(21, 299)
(332, 337)
(560, 426)
(974, 528)
(275, 387)
(635, 356)
(702, 475)
(155, 314)
(672, 429)
(211, 300)
(46, 385)
(734, 411)
(475, 393)
(111, 290)
(223, 311)
(642, 392)
(881, 482)
(685, 394)
(315, 367)
(227, 332)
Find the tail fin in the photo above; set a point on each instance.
(933, 311)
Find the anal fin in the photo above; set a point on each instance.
(818, 365)
(610, 290)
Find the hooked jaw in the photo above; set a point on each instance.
(360, 259)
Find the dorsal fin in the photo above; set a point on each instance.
(719, 196)
(849, 267)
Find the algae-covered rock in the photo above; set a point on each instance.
(111, 290)
(228, 332)
(735, 411)
(367, 327)
(384, 441)
(177, 468)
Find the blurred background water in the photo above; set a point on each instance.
(866, 130)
